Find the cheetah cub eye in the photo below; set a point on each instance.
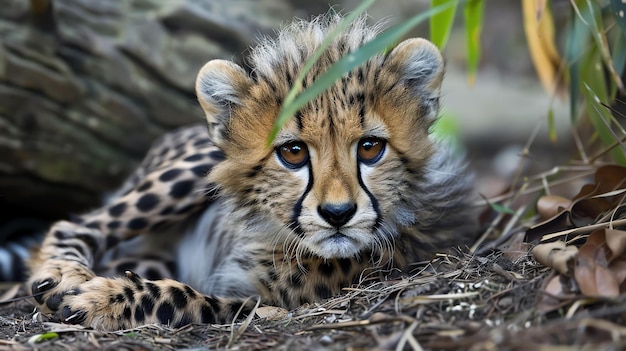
(293, 154)
(370, 150)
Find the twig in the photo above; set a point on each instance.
(407, 336)
(579, 146)
(585, 229)
(237, 332)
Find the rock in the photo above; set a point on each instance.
(87, 85)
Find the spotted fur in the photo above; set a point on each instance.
(353, 182)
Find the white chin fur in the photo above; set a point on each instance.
(333, 246)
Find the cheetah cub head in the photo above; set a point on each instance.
(350, 168)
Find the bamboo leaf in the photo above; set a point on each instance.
(349, 62)
(577, 41)
(441, 23)
(539, 29)
(473, 16)
(596, 93)
(591, 14)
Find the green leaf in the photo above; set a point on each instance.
(349, 62)
(576, 42)
(441, 23)
(35, 339)
(619, 52)
(619, 9)
(596, 24)
(551, 126)
(501, 208)
(596, 93)
(297, 85)
(473, 15)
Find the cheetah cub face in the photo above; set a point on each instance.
(350, 168)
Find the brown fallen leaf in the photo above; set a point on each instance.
(557, 255)
(555, 224)
(549, 206)
(618, 267)
(591, 202)
(593, 272)
(610, 177)
(516, 251)
(616, 241)
(595, 280)
(272, 313)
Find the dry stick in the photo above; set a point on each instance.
(361, 323)
(582, 230)
(621, 201)
(578, 303)
(407, 336)
(607, 150)
(579, 146)
(555, 170)
(235, 333)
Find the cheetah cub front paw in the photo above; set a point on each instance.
(62, 265)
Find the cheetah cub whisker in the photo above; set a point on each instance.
(214, 216)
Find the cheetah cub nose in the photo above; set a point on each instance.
(337, 214)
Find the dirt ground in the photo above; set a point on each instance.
(454, 302)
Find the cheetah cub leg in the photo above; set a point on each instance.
(168, 190)
(130, 301)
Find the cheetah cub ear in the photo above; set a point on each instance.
(221, 86)
(420, 66)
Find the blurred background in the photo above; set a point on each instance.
(87, 85)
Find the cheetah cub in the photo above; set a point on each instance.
(215, 215)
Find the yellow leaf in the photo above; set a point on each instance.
(539, 29)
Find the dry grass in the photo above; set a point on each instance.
(451, 303)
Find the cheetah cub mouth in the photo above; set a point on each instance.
(352, 168)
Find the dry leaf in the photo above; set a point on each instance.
(616, 241)
(600, 264)
(556, 255)
(618, 267)
(595, 280)
(272, 313)
(549, 206)
(592, 201)
(516, 251)
(592, 271)
(610, 177)
(539, 29)
(552, 225)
